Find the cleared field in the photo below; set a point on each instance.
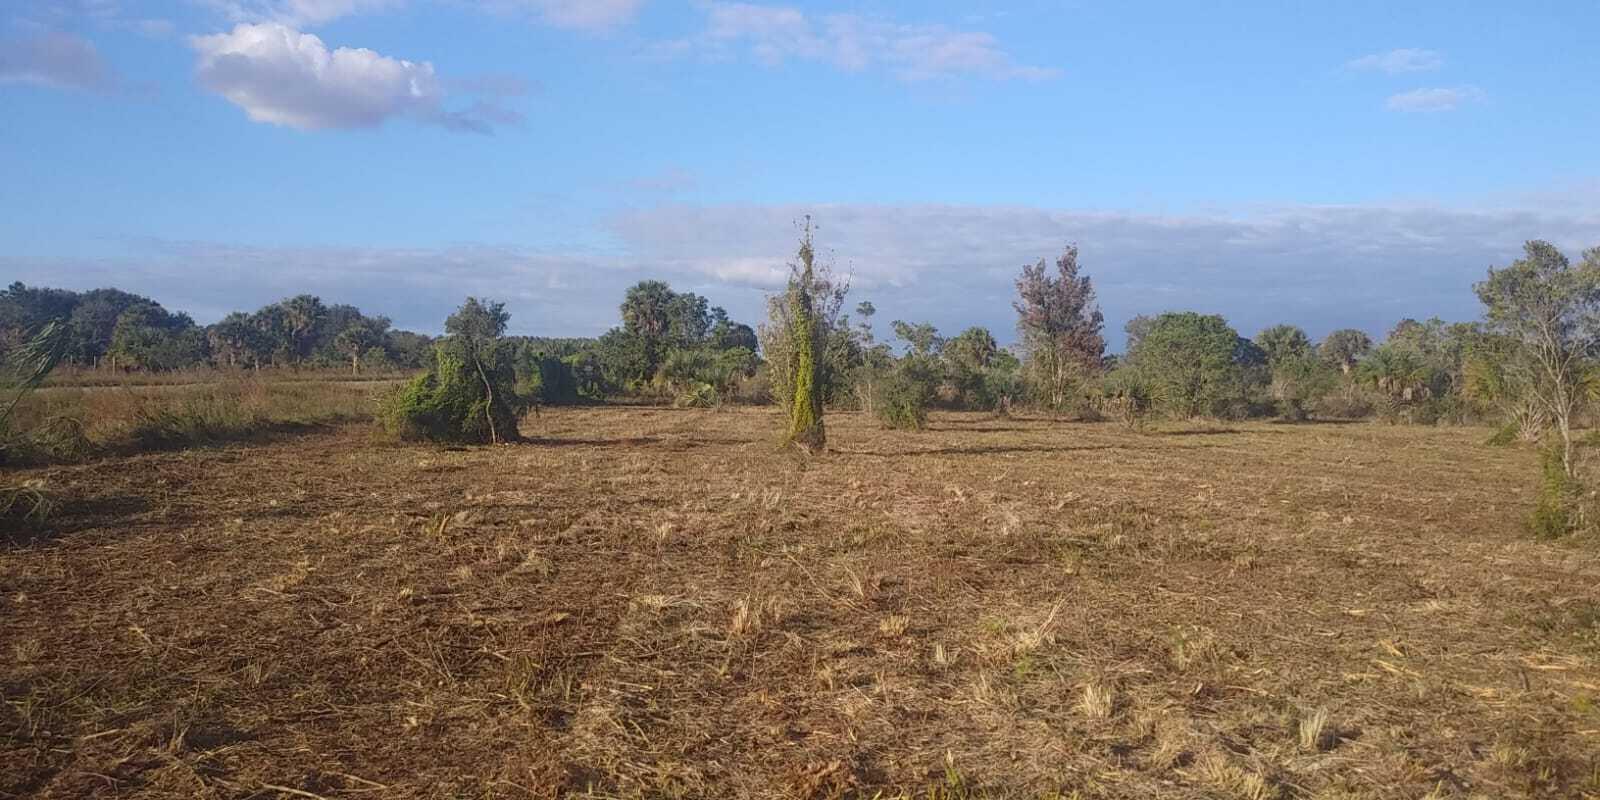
(658, 603)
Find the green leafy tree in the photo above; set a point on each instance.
(302, 315)
(1194, 364)
(409, 350)
(623, 358)
(1283, 342)
(236, 340)
(967, 357)
(1344, 348)
(1547, 308)
(1497, 375)
(729, 335)
(360, 336)
(147, 337)
(1296, 373)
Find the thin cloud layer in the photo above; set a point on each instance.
(282, 76)
(57, 60)
(590, 15)
(297, 13)
(773, 35)
(1320, 267)
(575, 14)
(1434, 100)
(1403, 60)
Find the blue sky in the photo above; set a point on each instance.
(1334, 164)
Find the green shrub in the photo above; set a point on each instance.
(1558, 510)
(903, 396)
(1125, 396)
(1503, 436)
(547, 380)
(700, 395)
(468, 395)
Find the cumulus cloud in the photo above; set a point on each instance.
(54, 59)
(851, 42)
(282, 76)
(1406, 59)
(1429, 100)
(1320, 267)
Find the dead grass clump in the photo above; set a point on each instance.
(752, 615)
(1222, 774)
(1315, 735)
(1097, 699)
(1194, 646)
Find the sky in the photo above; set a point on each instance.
(1325, 164)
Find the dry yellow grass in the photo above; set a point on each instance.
(648, 603)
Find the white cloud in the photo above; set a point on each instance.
(54, 59)
(1440, 99)
(284, 77)
(297, 13)
(580, 14)
(1320, 267)
(1405, 59)
(775, 34)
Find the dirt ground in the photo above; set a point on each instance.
(646, 602)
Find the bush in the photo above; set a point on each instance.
(700, 395)
(1351, 402)
(547, 380)
(468, 395)
(1125, 396)
(903, 396)
(1558, 511)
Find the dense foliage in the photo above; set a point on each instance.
(468, 393)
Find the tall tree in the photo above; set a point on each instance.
(475, 328)
(806, 334)
(1061, 326)
(1284, 342)
(361, 335)
(237, 340)
(302, 314)
(1344, 347)
(1548, 310)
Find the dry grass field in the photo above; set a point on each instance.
(646, 602)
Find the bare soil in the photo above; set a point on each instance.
(657, 603)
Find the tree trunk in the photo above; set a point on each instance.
(488, 409)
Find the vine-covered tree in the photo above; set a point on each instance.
(468, 393)
(807, 330)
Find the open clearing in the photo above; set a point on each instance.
(647, 602)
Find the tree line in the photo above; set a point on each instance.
(117, 329)
(1531, 365)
